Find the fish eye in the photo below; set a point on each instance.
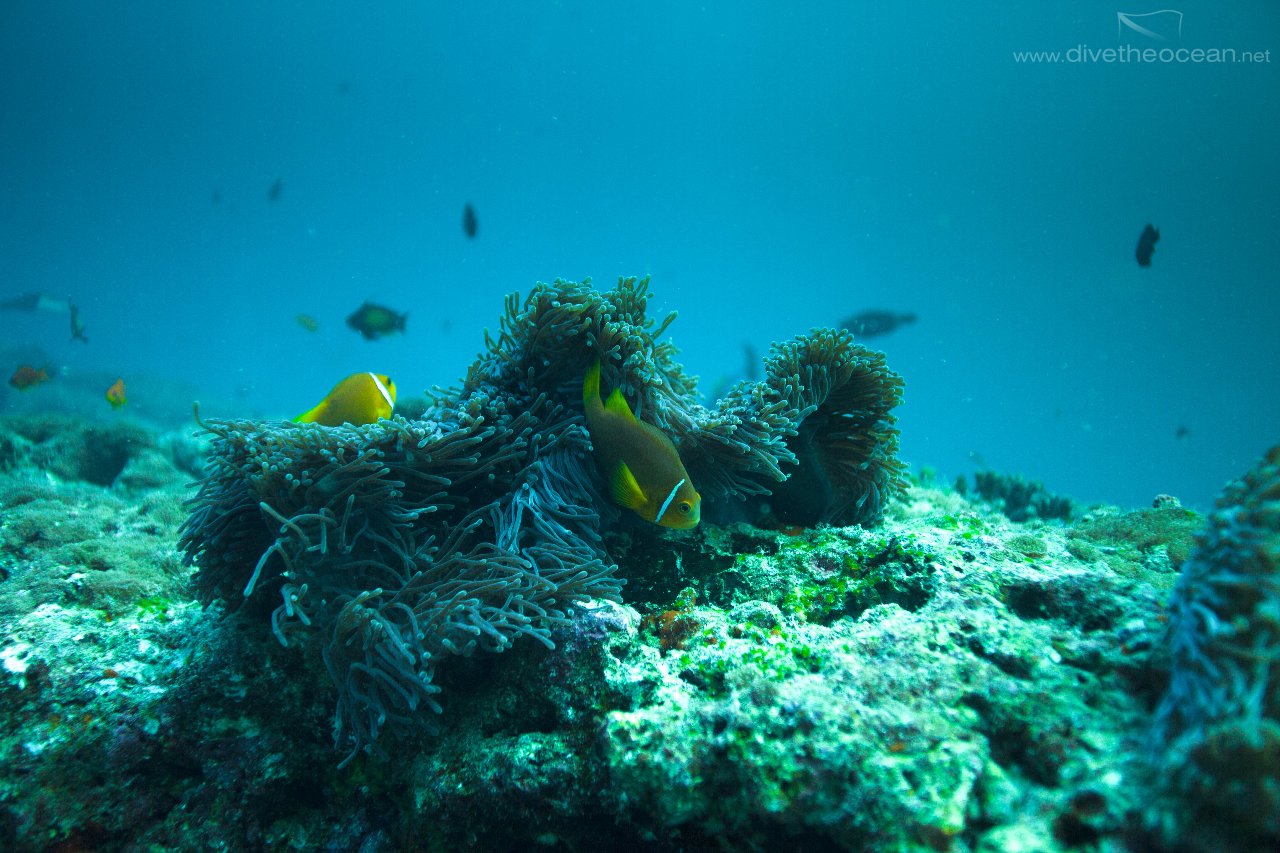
(684, 507)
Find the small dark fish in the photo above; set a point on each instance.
(868, 324)
(274, 191)
(373, 321)
(470, 225)
(1146, 245)
(308, 322)
(751, 362)
(27, 376)
(77, 328)
(1181, 432)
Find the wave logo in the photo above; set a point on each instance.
(1161, 26)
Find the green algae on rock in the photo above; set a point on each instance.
(1151, 543)
(76, 530)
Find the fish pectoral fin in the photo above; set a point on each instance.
(624, 488)
(617, 405)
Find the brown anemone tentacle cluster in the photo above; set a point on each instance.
(397, 544)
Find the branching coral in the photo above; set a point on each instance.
(1020, 499)
(1219, 725)
(399, 543)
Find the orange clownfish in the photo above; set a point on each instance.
(115, 394)
(361, 398)
(638, 460)
(27, 376)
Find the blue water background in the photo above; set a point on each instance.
(774, 166)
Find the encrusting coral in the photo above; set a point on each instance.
(401, 542)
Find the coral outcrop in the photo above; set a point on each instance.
(398, 544)
(1017, 497)
(926, 685)
(86, 514)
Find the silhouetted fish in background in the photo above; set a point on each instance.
(274, 191)
(42, 302)
(470, 225)
(751, 362)
(868, 324)
(46, 304)
(77, 328)
(1146, 245)
(373, 321)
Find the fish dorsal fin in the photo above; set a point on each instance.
(617, 405)
(311, 415)
(624, 488)
(591, 386)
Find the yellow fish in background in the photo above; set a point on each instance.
(115, 394)
(638, 460)
(361, 398)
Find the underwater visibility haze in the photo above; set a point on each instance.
(973, 375)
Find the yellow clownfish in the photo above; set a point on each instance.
(639, 461)
(361, 398)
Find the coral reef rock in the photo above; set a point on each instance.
(398, 544)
